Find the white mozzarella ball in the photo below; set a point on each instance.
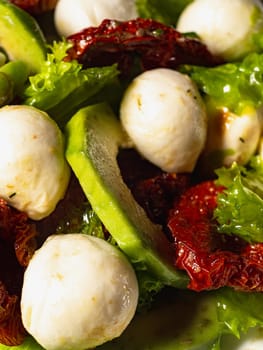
(165, 118)
(34, 172)
(232, 138)
(72, 16)
(79, 291)
(225, 26)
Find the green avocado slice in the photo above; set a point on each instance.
(93, 137)
(21, 37)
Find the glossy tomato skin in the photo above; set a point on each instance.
(35, 6)
(185, 210)
(17, 245)
(145, 41)
(211, 259)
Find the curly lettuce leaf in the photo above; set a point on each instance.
(236, 85)
(166, 11)
(240, 206)
(62, 87)
(239, 311)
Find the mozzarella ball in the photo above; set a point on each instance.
(232, 138)
(165, 118)
(225, 26)
(79, 291)
(34, 171)
(72, 16)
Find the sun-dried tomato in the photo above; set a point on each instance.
(12, 331)
(153, 189)
(35, 6)
(15, 228)
(146, 41)
(211, 259)
(156, 195)
(17, 245)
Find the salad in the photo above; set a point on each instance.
(131, 191)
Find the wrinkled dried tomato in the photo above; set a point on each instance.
(17, 245)
(35, 6)
(146, 41)
(157, 194)
(12, 331)
(211, 259)
(16, 229)
(153, 189)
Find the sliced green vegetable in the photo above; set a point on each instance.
(18, 72)
(93, 137)
(6, 89)
(21, 37)
(13, 76)
(3, 58)
(240, 206)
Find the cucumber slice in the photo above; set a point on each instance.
(21, 37)
(93, 137)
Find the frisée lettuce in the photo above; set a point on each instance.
(61, 87)
(235, 86)
(233, 94)
(240, 206)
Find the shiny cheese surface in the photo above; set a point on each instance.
(72, 16)
(34, 171)
(79, 291)
(164, 115)
(225, 26)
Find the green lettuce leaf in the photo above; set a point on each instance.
(62, 87)
(240, 206)
(237, 85)
(239, 311)
(165, 11)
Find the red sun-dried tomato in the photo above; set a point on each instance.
(35, 6)
(211, 259)
(12, 331)
(157, 194)
(16, 229)
(153, 189)
(148, 42)
(17, 245)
